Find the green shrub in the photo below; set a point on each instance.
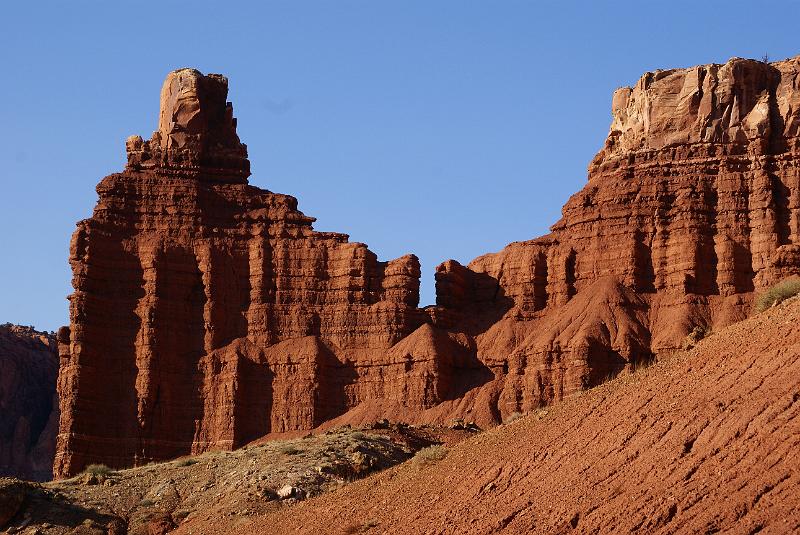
(98, 470)
(186, 462)
(780, 292)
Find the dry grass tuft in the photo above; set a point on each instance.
(360, 528)
(289, 449)
(430, 455)
(513, 417)
(777, 294)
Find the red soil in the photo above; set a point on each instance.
(705, 441)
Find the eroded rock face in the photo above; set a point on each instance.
(12, 494)
(196, 131)
(691, 206)
(208, 312)
(28, 402)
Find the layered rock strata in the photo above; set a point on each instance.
(28, 402)
(208, 312)
(690, 207)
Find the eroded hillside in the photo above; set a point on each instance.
(706, 441)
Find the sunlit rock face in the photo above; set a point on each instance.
(196, 131)
(208, 312)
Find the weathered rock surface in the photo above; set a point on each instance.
(691, 206)
(219, 489)
(208, 312)
(703, 441)
(28, 402)
(12, 494)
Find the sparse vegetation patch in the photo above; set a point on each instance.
(777, 294)
(99, 470)
(289, 449)
(431, 454)
(513, 417)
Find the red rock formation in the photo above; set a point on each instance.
(208, 312)
(691, 205)
(29, 415)
(702, 442)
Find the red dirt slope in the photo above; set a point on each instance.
(706, 441)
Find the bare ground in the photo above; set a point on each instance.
(706, 441)
(221, 489)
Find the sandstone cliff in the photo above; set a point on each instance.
(690, 207)
(208, 312)
(28, 403)
(704, 441)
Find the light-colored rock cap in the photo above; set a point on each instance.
(736, 103)
(196, 129)
(191, 105)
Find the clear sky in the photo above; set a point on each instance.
(443, 128)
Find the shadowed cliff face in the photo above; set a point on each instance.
(207, 312)
(28, 404)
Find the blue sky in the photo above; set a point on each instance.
(443, 128)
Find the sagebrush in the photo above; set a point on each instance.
(289, 449)
(780, 292)
(431, 454)
(98, 470)
(513, 417)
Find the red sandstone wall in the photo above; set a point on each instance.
(208, 312)
(691, 205)
(28, 405)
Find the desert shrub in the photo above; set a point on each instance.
(644, 363)
(98, 470)
(697, 334)
(289, 449)
(780, 292)
(431, 454)
(186, 462)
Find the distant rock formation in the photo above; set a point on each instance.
(28, 402)
(207, 312)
